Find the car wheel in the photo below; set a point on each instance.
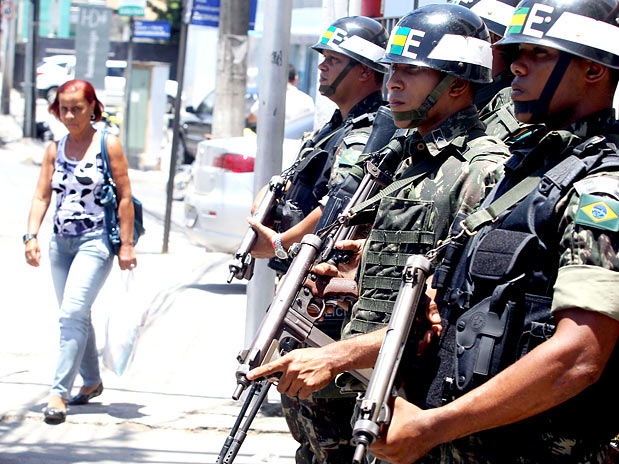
(50, 94)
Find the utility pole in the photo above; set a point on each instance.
(30, 88)
(231, 80)
(180, 76)
(273, 79)
(128, 74)
(8, 61)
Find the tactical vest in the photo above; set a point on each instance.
(496, 307)
(312, 170)
(407, 225)
(310, 178)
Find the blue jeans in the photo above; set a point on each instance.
(80, 266)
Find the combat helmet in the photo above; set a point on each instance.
(357, 37)
(584, 28)
(497, 14)
(445, 37)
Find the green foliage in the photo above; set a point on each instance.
(172, 13)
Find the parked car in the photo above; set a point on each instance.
(197, 124)
(220, 195)
(55, 70)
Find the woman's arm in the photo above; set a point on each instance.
(120, 174)
(40, 202)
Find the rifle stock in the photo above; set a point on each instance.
(374, 405)
(242, 266)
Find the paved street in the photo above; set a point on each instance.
(173, 405)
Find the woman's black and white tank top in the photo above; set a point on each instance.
(77, 185)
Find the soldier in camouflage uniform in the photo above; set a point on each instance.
(351, 46)
(350, 77)
(526, 366)
(496, 109)
(449, 164)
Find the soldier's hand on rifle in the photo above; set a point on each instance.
(303, 371)
(432, 322)
(263, 248)
(411, 434)
(348, 269)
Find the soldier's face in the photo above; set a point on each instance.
(532, 68)
(409, 86)
(330, 66)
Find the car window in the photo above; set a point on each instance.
(206, 106)
(116, 72)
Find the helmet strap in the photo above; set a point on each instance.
(538, 109)
(328, 90)
(418, 115)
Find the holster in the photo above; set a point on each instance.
(503, 327)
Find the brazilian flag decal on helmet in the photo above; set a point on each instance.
(327, 35)
(398, 40)
(517, 22)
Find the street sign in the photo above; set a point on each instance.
(92, 44)
(152, 29)
(206, 13)
(131, 7)
(8, 10)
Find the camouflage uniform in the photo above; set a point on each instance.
(458, 185)
(578, 262)
(311, 421)
(462, 170)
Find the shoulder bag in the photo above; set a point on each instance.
(109, 201)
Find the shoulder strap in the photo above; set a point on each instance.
(417, 172)
(559, 175)
(107, 170)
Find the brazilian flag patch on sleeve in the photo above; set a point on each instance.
(599, 212)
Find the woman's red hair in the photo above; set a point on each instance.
(72, 86)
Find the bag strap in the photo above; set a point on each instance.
(107, 170)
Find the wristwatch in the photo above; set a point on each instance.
(27, 237)
(280, 251)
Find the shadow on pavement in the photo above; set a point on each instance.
(220, 289)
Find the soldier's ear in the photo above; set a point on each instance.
(594, 72)
(459, 87)
(366, 73)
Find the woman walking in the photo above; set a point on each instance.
(80, 255)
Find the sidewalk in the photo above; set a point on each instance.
(174, 404)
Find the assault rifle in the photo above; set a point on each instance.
(292, 316)
(375, 404)
(242, 267)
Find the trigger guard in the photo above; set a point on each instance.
(321, 309)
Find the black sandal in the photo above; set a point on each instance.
(54, 416)
(84, 399)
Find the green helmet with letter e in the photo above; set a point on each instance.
(584, 28)
(359, 38)
(497, 14)
(446, 37)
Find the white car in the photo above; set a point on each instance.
(219, 197)
(55, 70)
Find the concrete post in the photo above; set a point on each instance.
(273, 79)
(30, 87)
(230, 82)
(8, 63)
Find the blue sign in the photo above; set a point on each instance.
(152, 29)
(206, 13)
